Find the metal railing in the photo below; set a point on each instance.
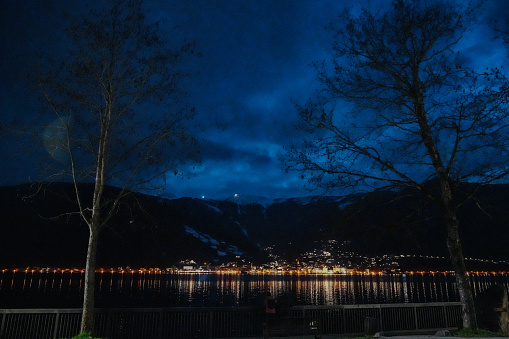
(222, 322)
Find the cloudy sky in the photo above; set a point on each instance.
(255, 65)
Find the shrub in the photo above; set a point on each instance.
(478, 333)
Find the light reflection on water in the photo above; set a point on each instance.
(65, 289)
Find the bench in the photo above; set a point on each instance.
(284, 326)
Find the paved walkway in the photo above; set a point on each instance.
(427, 337)
(339, 336)
(443, 334)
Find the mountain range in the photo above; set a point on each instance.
(38, 228)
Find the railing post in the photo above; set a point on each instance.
(2, 327)
(211, 324)
(161, 319)
(381, 326)
(56, 324)
(416, 320)
(343, 315)
(446, 317)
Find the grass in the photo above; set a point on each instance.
(478, 333)
(85, 336)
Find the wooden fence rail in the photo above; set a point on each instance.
(222, 322)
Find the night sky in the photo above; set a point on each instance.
(254, 66)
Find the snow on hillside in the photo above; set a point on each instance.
(215, 244)
(344, 201)
(243, 229)
(213, 208)
(242, 199)
(205, 238)
(305, 200)
(234, 249)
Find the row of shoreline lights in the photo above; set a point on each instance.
(121, 270)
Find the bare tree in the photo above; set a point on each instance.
(118, 116)
(400, 107)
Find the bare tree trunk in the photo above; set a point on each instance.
(87, 317)
(458, 260)
(460, 270)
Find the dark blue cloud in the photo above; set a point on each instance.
(255, 60)
(256, 57)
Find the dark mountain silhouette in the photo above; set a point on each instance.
(38, 228)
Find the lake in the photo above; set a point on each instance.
(34, 289)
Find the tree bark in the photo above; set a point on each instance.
(449, 207)
(87, 317)
(458, 260)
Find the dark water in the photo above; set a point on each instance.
(65, 289)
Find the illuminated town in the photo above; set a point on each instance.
(319, 265)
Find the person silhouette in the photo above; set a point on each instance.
(270, 304)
